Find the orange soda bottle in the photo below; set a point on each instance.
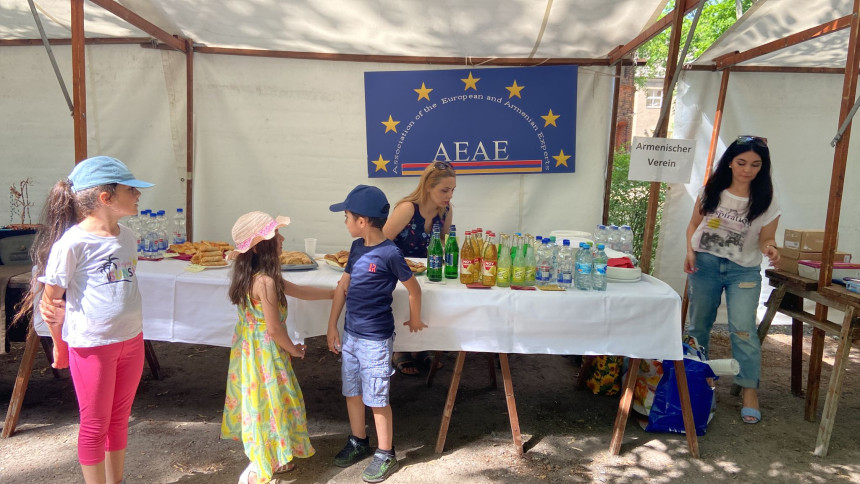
(467, 258)
(489, 259)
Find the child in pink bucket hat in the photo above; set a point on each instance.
(264, 405)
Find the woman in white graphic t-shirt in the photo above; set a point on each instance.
(733, 224)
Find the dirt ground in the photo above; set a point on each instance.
(175, 426)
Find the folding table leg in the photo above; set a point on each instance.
(834, 388)
(773, 303)
(624, 406)
(21, 382)
(796, 357)
(814, 378)
(149, 352)
(686, 408)
(449, 402)
(512, 404)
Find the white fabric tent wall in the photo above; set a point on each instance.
(130, 116)
(264, 128)
(798, 114)
(290, 139)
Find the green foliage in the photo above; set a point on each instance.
(628, 203)
(717, 16)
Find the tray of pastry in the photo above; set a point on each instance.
(297, 261)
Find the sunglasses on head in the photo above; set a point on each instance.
(442, 165)
(752, 139)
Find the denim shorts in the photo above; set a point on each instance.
(366, 369)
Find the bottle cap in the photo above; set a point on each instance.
(179, 210)
(600, 247)
(565, 243)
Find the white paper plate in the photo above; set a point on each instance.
(627, 273)
(609, 279)
(207, 268)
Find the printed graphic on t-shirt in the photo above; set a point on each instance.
(724, 233)
(116, 272)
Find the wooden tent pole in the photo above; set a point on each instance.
(660, 132)
(79, 81)
(613, 133)
(718, 121)
(712, 149)
(840, 155)
(189, 139)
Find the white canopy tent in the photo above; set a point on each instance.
(286, 135)
(797, 111)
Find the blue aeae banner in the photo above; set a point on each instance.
(482, 121)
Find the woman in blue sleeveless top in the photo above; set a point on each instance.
(410, 226)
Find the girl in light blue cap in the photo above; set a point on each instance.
(85, 280)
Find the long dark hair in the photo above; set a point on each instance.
(761, 187)
(260, 259)
(63, 209)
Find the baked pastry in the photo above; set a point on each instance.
(340, 258)
(416, 267)
(295, 258)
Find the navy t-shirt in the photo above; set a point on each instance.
(374, 272)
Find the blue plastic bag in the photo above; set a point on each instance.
(665, 415)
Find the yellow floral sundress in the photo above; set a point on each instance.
(264, 405)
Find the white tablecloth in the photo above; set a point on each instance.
(640, 319)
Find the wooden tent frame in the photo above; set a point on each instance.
(164, 40)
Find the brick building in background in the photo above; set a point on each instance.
(638, 109)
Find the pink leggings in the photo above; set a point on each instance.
(106, 379)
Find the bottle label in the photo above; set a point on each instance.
(583, 268)
(600, 269)
(519, 275)
(434, 262)
(465, 266)
(490, 268)
(530, 274)
(450, 259)
(503, 274)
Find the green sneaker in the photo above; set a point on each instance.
(382, 466)
(354, 451)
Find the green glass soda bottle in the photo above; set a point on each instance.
(452, 254)
(531, 264)
(435, 256)
(518, 274)
(504, 263)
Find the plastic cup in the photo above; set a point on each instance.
(311, 246)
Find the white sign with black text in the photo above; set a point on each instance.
(661, 159)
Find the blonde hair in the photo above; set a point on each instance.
(432, 176)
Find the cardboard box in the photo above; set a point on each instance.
(811, 255)
(805, 240)
(789, 257)
(811, 269)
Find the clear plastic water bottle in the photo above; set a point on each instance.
(582, 276)
(613, 238)
(179, 233)
(598, 276)
(545, 271)
(555, 247)
(599, 235)
(565, 264)
(163, 232)
(151, 244)
(626, 241)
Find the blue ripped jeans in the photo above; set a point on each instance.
(743, 288)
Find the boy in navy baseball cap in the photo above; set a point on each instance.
(375, 265)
